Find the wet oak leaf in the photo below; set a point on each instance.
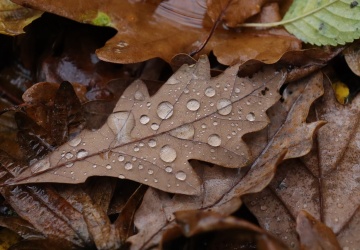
(147, 30)
(325, 183)
(13, 17)
(150, 139)
(221, 188)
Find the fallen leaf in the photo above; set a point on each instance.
(217, 232)
(222, 187)
(313, 234)
(352, 57)
(324, 183)
(151, 139)
(147, 30)
(13, 17)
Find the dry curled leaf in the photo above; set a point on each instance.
(148, 30)
(150, 139)
(352, 57)
(290, 137)
(325, 183)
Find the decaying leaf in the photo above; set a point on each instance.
(290, 137)
(148, 30)
(325, 183)
(313, 234)
(352, 57)
(13, 17)
(151, 139)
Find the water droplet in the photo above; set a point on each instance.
(145, 179)
(154, 126)
(81, 153)
(214, 140)
(150, 171)
(165, 110)
(224, 106)
(186, 90)
(108, 166)
(74, 142)
(336, 219)
(210, 92)
(128, 166)
(136, 148)
(250, 117)
(122, 44)
(121, 176)
(185, 132)
(144, 119)
(139, 96)
(156, 180)
(263, 208)
(121, 158)
(167, 154)
(152, 143)
(339, 205)
(203, 126)
(141, 167)
(69, 165)
(237, 90)
(180, 176)
(94, 166)
(168, 169)
(69, 155)
(40, 165)
(193, 105)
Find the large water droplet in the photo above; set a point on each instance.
(144, 119)
(193, 105)
(185, 132)
(154, 126)
(167, 154)
(165, 110)
(210, 92)
(168, 169)
(180, 176)
(40, 165)
(139, 96)
(69, 155)
(214, 140)
(81, 153)
(74, 142)
(224, 106)
(128, 166)
(250, 117)
(152, 143)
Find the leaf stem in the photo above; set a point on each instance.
(275, 24)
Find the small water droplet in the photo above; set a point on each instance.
(237, 90)
(69, 155)
(336, 219)
(122, 44)
(154, 126)
(203, 126)
(180, 176)
(193, 105)
(150, 171)
(186, 90)
(69, 165)
(81, 153)
(185, 132)
(144, 119)
(250, 117)
(108, 166)
(167, 154)
(145, 179)
(165, 110)
(156, 180)
(152, 143)
(224, 106)
(94, 166)
(210, 92)
(168, 169)
(128, 166)
(139, 96)
(263, 208)
(136, 148)
(141, 167)
(121, 158)
(339, 205)
(214, 140)
(74, 142)
(121, 176)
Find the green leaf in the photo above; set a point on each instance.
(320, 22)
(324, 22)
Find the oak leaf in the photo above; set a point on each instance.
(290, 137)
(151, 139)
(325, 183)
(147, 30)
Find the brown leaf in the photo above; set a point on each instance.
(21, 227)
(313, 234)
(217, 232)
(222, 187)
(147, 30)
(352, 57)
(13, 18)
(324, 183)
(153, 143)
